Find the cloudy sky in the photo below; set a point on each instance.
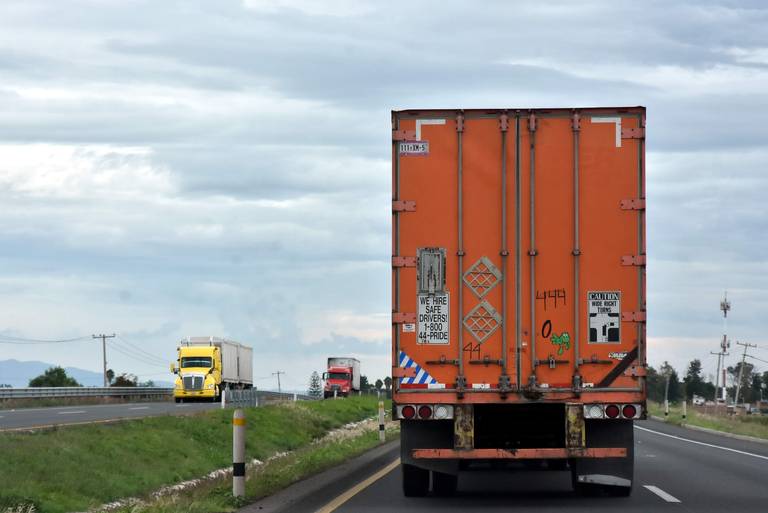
(197, 167)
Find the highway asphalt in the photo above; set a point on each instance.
(676, 469)
(30, 418)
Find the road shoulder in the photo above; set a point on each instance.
(312, 493)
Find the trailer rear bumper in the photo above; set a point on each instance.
(519, 454)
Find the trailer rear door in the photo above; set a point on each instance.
(518, 249)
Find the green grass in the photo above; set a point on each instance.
(80, 467)
(756, 426)
(216, 496)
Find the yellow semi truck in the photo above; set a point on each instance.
(207, 365)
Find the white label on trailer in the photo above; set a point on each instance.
(604, 310)
(434, 314)
(414, 148)
(409, 327)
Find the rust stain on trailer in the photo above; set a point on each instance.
(520, 454)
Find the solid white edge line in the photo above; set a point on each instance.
(661, 493)
(745, 453)
(139, 408)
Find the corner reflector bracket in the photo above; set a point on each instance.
(638, 316)
(633, 133)
(403, 317)
(633, 204)
(403, 135)
(403, 261)
(403, 206)
(638, 260)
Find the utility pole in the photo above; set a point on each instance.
(104, 353)
(725, 307)
(278, 380)
(741, 369)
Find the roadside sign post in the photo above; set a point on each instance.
(382, 434)
(238, 453)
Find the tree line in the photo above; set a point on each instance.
(58, 377)
(754, 385)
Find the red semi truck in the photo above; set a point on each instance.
(518, 292)
(342, 377)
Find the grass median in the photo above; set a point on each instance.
(749, 425)
(215, 496)
(81, 467)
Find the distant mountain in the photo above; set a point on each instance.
(17, 374)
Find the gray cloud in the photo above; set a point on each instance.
(217, 168)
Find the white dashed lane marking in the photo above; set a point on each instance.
(661, 493)
(70, 412)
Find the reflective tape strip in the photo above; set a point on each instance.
(238, 422)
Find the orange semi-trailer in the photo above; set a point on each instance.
(518, 278)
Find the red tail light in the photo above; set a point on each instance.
(425, 412)
(611, 411)
(629, 411)
(408, 412)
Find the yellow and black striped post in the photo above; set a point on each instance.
(238, 453)
(382, 434)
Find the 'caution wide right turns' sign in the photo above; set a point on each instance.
(604, 317)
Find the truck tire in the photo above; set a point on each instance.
(444, 485)
(176, 400)
(415, 481)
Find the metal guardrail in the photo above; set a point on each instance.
(259, 396)
(55, 392)
(253, 398)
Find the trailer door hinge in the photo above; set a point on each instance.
(636, 370)
(399, 372)
(403, 135)
(638, 316)
(633, 204)
(633, 133)
(403, 206)
(403, 261)
(628, 260)
(403, 317)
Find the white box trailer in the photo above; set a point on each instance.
(236, 359)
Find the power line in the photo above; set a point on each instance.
(5, 339)
(756, 358)
(140, 350)
(134, 356)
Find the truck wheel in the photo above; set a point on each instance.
(415, 481)
(176, 400)
(444, 485)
